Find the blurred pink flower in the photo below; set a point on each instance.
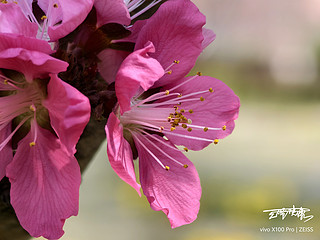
(189, 111)
(41, 119)
(60, 19)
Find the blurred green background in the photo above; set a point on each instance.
(268, 52)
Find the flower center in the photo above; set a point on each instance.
(163, 114)
(20, 104)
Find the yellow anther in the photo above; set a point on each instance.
(161, 128)
(184, 125)
(205, 129)
(185, 166)
(175, 107)
(32, 144)
(167, 168)
(180, 95)
(169, 119)
(5, 81)
(190, 111)
(4, 1)
(210, 90)
(224, 127)
(189, 129)
(201, 99)
(172, 129)
(186, 149)
(169, 72)
(176, 61)
(15, 2)
(167, 92)
(189, 121)
(216, 141)
(182, 110)
(32, 108)
(55, 5)
(43, 17)
(199, 73)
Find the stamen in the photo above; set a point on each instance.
(182, 98)
(155, 97)
(151, 153)
(167, 168)
(9, 80)
(216, 141)
(204, 128)
(185, 166)
(184, 136)
(11, 83)
(32, 108)
(184, 82)
(29, 13)
(163, 152)
(55, 5)
(186, 149)
(144, 9)
(32, 144)
(157, 139)
(172, 64)
(5, 142)
(224, 128)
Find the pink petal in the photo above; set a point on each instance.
(119, 153)
(177, 191)
(209, 36)
(176, 32)
(110, 63)
(71, 13)
(137, 70)
(45, 181)
(112, 11)
(32, 64)
(8, 40)
(6, 155)
(69, 111)
(219, 108)
(13, 21)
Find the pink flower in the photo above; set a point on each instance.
(41, 119)
(188, 111)
(61, 17)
